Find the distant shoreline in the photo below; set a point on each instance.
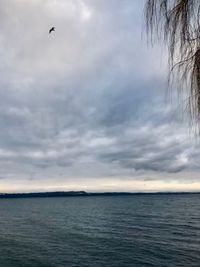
(85, 194)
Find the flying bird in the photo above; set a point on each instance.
(52, 30)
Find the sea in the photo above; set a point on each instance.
(101, 231)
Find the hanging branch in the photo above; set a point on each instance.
(177, 24)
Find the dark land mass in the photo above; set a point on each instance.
(84, 194)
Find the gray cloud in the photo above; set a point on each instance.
(87, 101)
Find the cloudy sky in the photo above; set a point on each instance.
(85, 108)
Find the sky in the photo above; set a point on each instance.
(86, 108)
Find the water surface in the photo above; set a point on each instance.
(106, 231)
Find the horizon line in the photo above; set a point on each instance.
(84, 193)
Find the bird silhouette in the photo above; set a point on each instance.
(52, 30)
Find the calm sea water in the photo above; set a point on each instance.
(151, 230)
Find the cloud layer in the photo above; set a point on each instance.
(85, 106)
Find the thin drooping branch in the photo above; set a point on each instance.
(177, 24)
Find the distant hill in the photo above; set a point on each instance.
(43, 194)
(83, 194)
